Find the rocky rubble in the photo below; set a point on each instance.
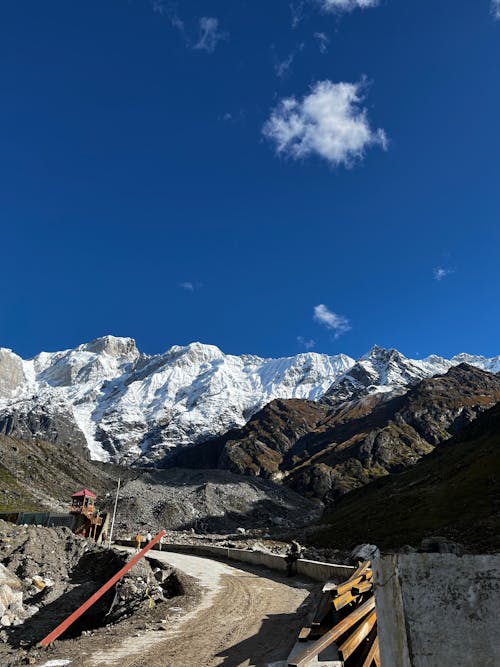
(46, 573)
(213, 501)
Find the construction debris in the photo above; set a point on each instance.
(343, 630)
(47, 573)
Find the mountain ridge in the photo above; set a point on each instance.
(121, 405)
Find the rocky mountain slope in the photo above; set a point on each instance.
(110, 400)
(41, 476)
(325, 449)
(453, 492)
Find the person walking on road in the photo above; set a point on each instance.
(149, 537)
(138, 541)
(292, 556)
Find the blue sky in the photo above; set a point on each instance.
(269, 177)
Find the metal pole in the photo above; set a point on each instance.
(114, 514)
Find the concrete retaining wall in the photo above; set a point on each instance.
(438, 609)
(308, 568)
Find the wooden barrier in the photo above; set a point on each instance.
(350, 606)
(93, 598)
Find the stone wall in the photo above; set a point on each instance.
(313, 569)
(438, 609)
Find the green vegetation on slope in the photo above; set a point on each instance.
(37, 476)
(453, 492)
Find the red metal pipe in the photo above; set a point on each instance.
(93, 598)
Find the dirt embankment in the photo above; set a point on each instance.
(49, 573)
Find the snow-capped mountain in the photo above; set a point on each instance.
(126, 406)
(389, 371)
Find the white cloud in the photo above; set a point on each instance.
(210, 35)
(495, 9)
(328, 122)
(190, 286)
(282, 67)
(323, 41)
(337, 323)
(297, 11)
(440, 273)
(166, 9)
(307, 343)
(346, 5)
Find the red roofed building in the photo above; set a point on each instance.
(82, 503)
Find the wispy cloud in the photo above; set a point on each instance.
(168, 10)
(297, 11)
(439, 273)
(282, 67)
(210, 35)
(495, 9)
(328, 122)
(323, 40)
(337, 323)
(190, 286)
(234, 116)
(308, 343)
(345, 5)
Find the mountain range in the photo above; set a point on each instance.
(111, 401)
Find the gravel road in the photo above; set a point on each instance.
(247, 617)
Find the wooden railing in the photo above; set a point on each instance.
(345, 617)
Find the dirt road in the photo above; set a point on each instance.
(247, 617)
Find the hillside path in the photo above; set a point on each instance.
(247, 617)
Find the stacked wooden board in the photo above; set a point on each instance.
(346, 618)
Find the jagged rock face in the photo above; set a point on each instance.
(130, 407)
(386, 371)
(325, 450)
(12, 377)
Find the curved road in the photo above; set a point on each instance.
(247, 617)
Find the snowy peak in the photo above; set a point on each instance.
(100, 359)
(130, 407)
(113, 346)
(381, 370)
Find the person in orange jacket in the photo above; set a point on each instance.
(138, 541)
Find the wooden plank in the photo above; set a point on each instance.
(347, 585)
(333, 634)
(343, 600)
(323, 609)
(365, 649)
(361, 632)
(363, 587)
(376, 655)
(361, 570)
(304, 634)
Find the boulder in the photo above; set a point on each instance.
(9, 596)
(364, 552)
(9, 579)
